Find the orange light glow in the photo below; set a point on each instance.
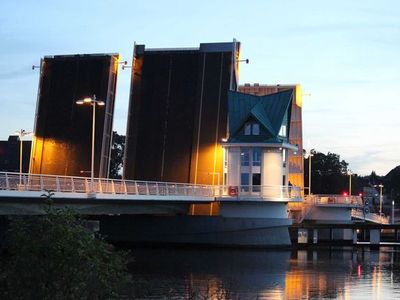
(298, 94)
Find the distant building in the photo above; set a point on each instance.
(178, 112)
(63, 130)
(10, 154)
(296, 165)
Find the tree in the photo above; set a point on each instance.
(392, 183)
(329, 173)
(55, 257)
(117, 155)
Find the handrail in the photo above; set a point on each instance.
(322, 199)
(372, 217)
(270, 192)
(69, 184)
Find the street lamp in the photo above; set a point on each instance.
(349, 173)
(392, 211)
(380, 197)
(93, 102)
(309, 171)
(21, 133)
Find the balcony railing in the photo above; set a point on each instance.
(333, 200)
(278, 192)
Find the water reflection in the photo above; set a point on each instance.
(262, 274)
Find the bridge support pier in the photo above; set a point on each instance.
(315, 236)
(354, 236)
(302, 236)
(92, 225)
(374, 236)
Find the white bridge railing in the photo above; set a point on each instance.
(68, 184)
(271, 192)
(372, 217)
(334, 199)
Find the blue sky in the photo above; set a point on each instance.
(345, 53)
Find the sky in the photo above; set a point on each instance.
(345, 55)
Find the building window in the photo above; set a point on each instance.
(256, 157)
(255, 129)
(284, 157)
(283, 131)
(244, 157)
(252, 129)
(256, 182)
(247, 129)
(244, 182)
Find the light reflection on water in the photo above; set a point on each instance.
(265, 274)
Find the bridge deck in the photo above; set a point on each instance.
(24, 192)
(18, 185)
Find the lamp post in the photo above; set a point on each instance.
(93, 102)
(350, 173)
(21, 133)
(392, 211)
(309, 171)
(380, 197)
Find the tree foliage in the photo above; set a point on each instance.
(392, 183)
(117, 155)
(330, 176)
(328, 173)
(55, 257)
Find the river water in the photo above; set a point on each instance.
(353, 273)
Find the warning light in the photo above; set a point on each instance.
(345, 194)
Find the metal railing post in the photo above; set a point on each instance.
(87, 189)
(147, 189)
(125, 189)
(100, 189)
(41, 182)
(58, 184)
(72, 185)
(7, 183)
(24, 181)
(112, 187)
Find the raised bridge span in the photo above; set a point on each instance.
(23, 194)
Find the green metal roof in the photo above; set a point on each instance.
(269, 111)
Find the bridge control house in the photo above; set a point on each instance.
(256, 150)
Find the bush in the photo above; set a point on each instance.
(55, 257)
